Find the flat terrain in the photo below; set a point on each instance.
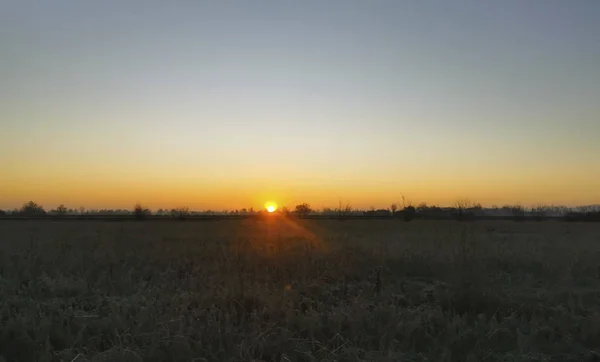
(293, 290)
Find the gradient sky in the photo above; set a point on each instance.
(227, 104)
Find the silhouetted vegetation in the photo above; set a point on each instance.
(181, 213)
(343, 211)
(466, 210)
(311, 290)
(140, 212)
(409, 213)
(61, 210)
(517, 211)
(379, 213)
(539, 212)
(433, 212)
(462, 210)
(32, 209)
(303, 209)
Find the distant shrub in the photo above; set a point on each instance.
(181, 213)
(343, 212)
(61, 210)
(466, 210)
(518, 212)
(140, 212)
(409, 213)
(303, 209)
(32, 209)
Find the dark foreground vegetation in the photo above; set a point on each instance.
(299, 290)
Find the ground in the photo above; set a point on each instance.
(299, 290)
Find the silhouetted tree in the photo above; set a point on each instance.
(32, 209)
(518, 212)
(463, 209)
(140, 212)
(61, 210)
(431, 211)
(404, 202)
(181, 213)
(394, 208)
(303, 209)
(409, 213)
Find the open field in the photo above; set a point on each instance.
(299, 290)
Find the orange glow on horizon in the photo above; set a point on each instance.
(123, 190)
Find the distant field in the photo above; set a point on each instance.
(299, 290)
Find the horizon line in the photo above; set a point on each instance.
(465, 202)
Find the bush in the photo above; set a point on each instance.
(140, 212)
(464, 209)
(60, 210)
(181, 213)
(32, 209)
(303, 209)
(409, 213)
(518, 212)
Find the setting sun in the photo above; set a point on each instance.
(271, 206)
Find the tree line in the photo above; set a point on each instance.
(461, 210)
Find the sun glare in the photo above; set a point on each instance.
(271, 206)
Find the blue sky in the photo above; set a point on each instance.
(294, 100)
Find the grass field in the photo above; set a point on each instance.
(293, 290)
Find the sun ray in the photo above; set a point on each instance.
(313, 238)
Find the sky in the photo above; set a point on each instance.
(226, 104)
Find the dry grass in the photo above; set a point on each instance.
(299, 291)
